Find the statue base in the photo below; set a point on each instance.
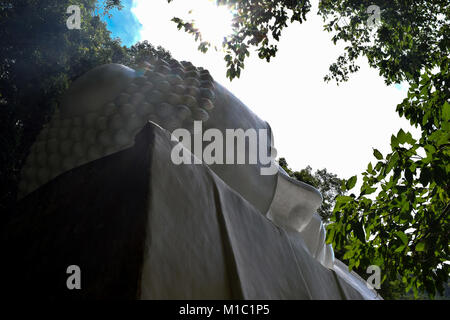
(140, 227)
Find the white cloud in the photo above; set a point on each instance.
(315, 123)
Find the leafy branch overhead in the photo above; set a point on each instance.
(405, 228)
(255, 24)
(411, 35)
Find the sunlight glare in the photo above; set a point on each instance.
(214, 22)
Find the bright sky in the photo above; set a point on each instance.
(315, 123)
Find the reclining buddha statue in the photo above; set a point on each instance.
(266, 239)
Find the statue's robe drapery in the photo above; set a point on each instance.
(140, 227)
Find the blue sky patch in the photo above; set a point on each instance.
(123, 24)
(398, 86)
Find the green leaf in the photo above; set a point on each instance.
(401, 136)
(420, 246)
(402, 236)
(392, 162)
(351, 183)
(359, 231)
(344, 199)
(367, 190)
(379, 166)
(394, 142)
(347, 255)
(425, 176)
(446, 111)
(377, 154)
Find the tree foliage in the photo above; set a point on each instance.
(405, 228)
(399, 220)
(256, 24)
(411, 36)
(326, 182)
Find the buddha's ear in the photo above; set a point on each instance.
(95, 88)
